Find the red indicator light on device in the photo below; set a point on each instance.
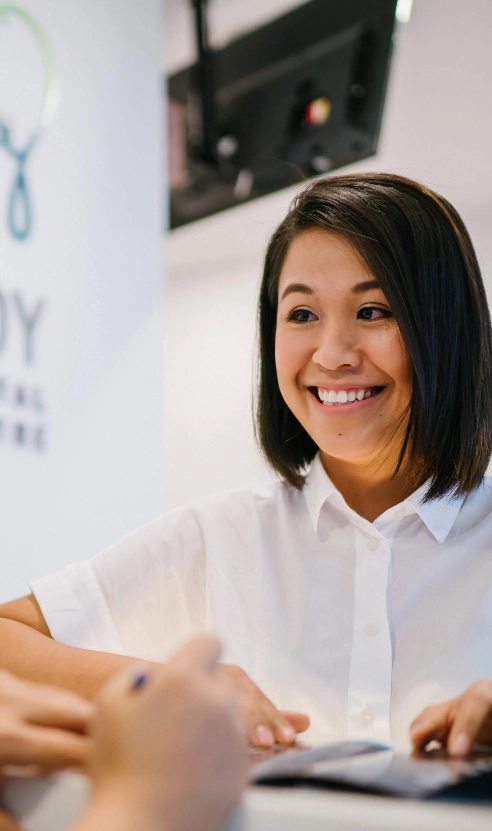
(318, 111)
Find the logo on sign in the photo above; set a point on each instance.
(19, 207)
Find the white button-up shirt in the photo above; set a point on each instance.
(358, 624)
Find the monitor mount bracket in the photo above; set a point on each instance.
(206, 151)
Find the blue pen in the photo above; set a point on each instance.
(140, 681)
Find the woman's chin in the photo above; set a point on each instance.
(346, 449)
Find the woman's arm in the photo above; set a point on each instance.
(28, 651)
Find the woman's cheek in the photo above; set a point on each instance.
(387, 351)
(286, 356)
(290, 362)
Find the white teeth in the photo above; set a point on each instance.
(331, 397)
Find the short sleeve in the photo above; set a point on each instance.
(144, 596)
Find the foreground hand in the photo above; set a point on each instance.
(42, 726)
(457, 724)
(265, 725)
(170, 753)
(8, 823)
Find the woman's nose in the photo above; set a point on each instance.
(336, 348)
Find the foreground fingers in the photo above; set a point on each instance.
(162, 733)
(8, 823)
(130, 678)
(199, 655)
(49, 748)
(58, 708)
(42, 726)
(44, 705)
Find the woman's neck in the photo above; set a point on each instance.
(368, 489)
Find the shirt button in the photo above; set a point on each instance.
(371, 629)
(368, 717)
(372, 544)
(399, 515)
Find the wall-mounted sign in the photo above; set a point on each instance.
(29, 97)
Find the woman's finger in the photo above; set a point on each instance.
(267, 725)
(433, 723)
(473, 719)
(300, 721)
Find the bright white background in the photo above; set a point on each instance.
(95, 257)
(437, 128)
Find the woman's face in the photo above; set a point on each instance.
(342, 366)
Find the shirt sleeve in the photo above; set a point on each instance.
(144, 596)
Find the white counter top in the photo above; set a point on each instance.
(51, 804)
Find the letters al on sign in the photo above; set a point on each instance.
(19, 208)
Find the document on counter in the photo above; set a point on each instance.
(377, 768)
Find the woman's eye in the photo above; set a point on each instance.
(302, 316)
(373, 313)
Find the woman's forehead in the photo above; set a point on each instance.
(322, 260)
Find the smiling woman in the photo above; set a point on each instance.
(356, 588)
(342, 367)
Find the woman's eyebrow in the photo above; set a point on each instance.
(302, 288)
(296, 287)
(366, 286)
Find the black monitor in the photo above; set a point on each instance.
(300, 96)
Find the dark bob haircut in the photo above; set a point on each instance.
(419, 250)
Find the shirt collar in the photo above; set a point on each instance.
(439, 515)
(317, 489)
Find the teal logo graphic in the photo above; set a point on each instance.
(19, 206)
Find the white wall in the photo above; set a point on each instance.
(437, 128)
(94, 259)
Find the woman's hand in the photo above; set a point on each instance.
(265, 725)
(169, 746)
(42, 726)
(458, 724)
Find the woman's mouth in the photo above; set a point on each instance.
(338, 398)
